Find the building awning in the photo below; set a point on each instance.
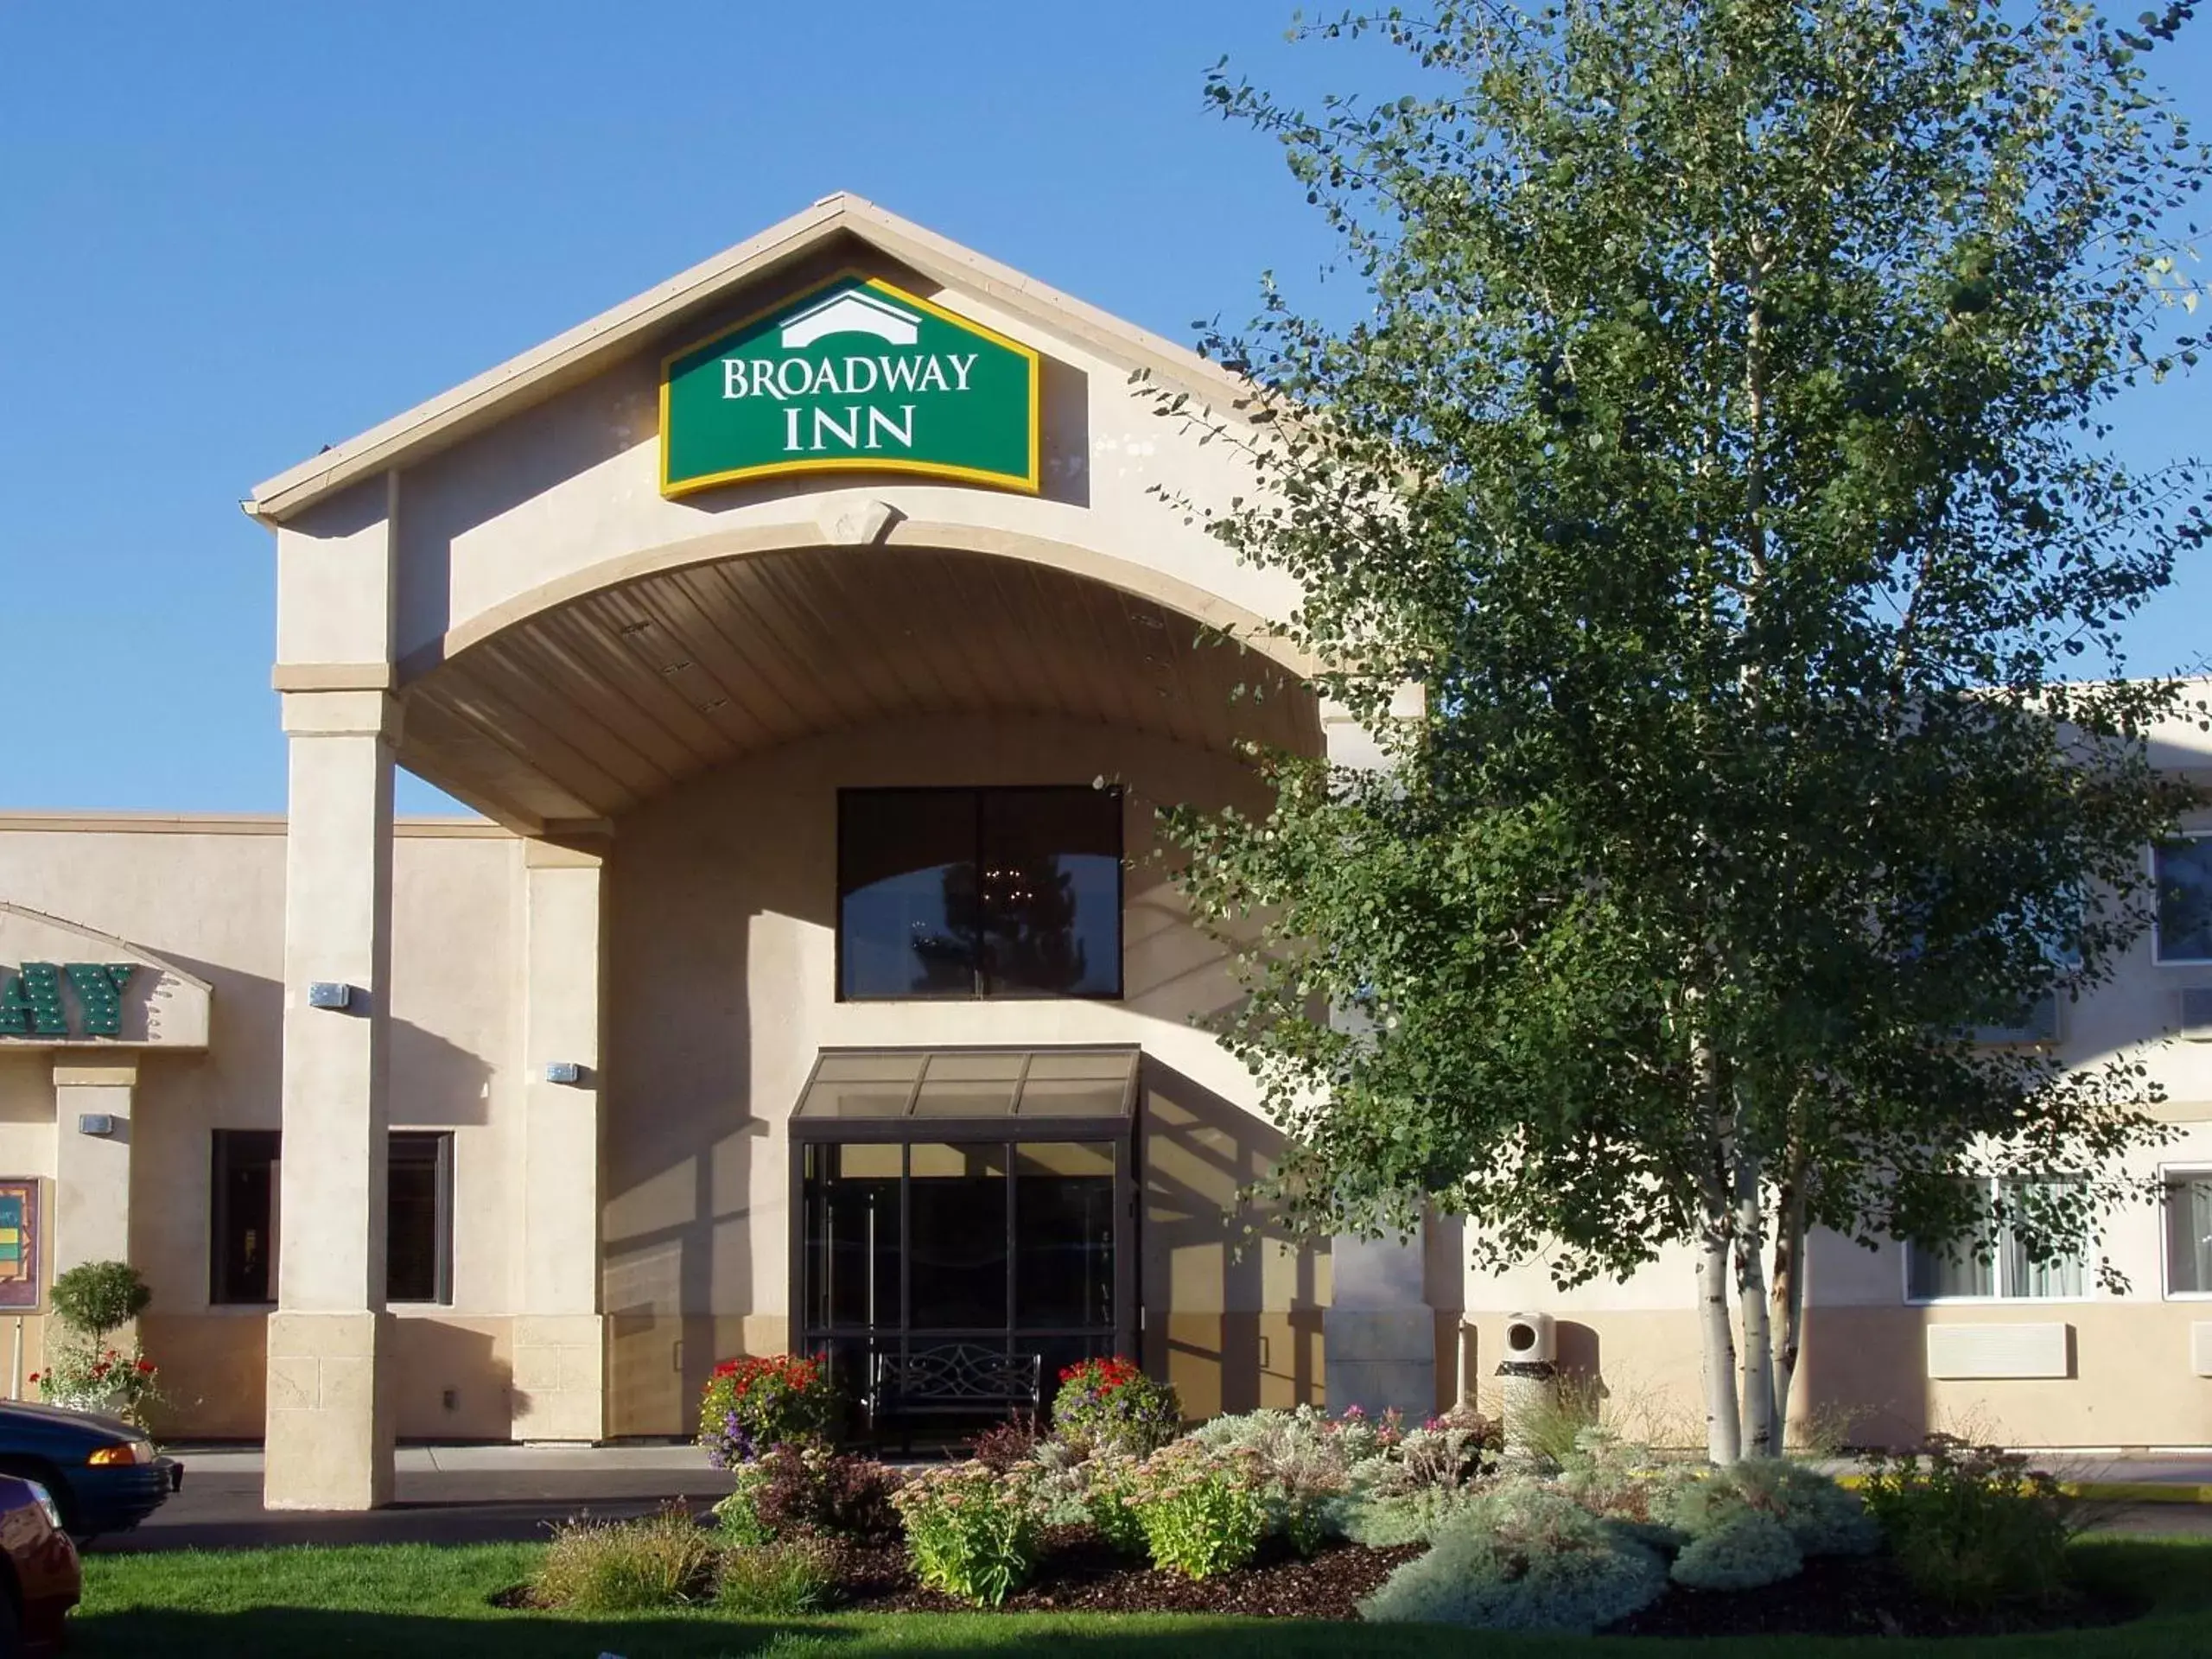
(940, 1094)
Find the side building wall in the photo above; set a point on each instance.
(208, 895)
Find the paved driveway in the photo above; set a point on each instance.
(445, 1495)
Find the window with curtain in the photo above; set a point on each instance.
(2189, 1232)
(2000, 1269)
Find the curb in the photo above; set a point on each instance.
(2106, 1491)
(2135, 1492)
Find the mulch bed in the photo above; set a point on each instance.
(1079, 1573)
(1865, 1597)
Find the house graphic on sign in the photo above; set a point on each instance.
(853, 312)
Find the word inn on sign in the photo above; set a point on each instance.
(854, 376)
(31, 1003)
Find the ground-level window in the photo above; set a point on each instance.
(2189, 1232)
(968, 893)
(244, 1189)
(418, 1254)
(418, 1217)
(1999, 1268)
(2184, 872)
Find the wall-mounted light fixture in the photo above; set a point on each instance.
(563, 1072)
(330, 994)
(95, 1123)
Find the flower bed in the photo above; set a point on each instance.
(1295, 1513)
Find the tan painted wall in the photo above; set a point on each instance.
(211, 899)
(572, 484)
(720, 899)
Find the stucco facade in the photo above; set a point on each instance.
(609, 993)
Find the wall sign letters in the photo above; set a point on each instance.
(32, 1003)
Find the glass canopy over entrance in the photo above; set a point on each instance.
(963, 1221)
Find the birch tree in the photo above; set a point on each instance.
(1721, 451)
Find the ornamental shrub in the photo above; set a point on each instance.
(1109, 1493)
(810, 1489)
(750, 1405)
(970, 1532)
(1613, 1478)
(1522, 1556)
(777, 1580)
(1305, 1461)
(82, 1376)
(664, 1560)
(94, 1298)
(1972, 1527)
(1380, 1523)
(737, 1517)
(1820, 1516)
(1014, 1441)
(1748, 1551)
(1204, 1511)
(1110, 1405)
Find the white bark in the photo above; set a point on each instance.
(1789, 1298)
(1759, 1417)
(1724, 1440)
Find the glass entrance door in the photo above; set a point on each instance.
(1014, 1247)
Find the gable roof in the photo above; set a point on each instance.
(583, 349)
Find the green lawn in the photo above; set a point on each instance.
(424, 1602)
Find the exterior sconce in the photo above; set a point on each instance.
(563, 1072)
(95, 1123)
(330, 994)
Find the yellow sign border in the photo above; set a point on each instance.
(1029, 484)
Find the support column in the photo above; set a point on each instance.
(329, 1424)
(91, 1161)
(1378, 1343)
(560, 1355)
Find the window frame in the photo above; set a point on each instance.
(1996, 1299)
(441, 1218)
(2189, 1169)
(978, 793)
(219, 1213)
(2158, 956)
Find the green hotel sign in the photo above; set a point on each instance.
(855, 376)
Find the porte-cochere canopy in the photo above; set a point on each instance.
(584, 711)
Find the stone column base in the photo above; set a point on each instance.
(560, 1387)
(1380, 1358)
(330, 1424)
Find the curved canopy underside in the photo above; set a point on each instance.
(586, 710)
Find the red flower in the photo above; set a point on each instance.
(146, 1367)
(34, 1376)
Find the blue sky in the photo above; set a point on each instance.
(231, 233)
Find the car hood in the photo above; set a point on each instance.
(23, 1415)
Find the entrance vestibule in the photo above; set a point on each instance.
(964, 1224)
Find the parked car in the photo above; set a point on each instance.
(40, 1580)
(104, 1475)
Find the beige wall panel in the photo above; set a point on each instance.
(571, 484)
(720, 901)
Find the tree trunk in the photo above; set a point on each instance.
(1724, 1435)
(1788, 1294)
(1760, 1432)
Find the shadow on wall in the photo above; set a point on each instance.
(1232, 1299)
(679, 1173)
(213, 1359)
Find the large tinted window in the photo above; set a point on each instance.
(418, 1217)
(2184, 870)
(243, 1242)
(979, 892)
